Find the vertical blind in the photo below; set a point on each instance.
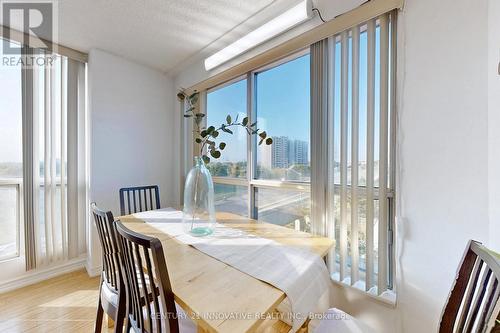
(54, 124)
(360, 131)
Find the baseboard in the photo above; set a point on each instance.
(42, 274)
(93, 271)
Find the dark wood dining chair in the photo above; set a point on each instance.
(111, 290)
(139, 199)
(473, 304)
(145, 273)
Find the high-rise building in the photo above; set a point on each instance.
(298, 152)
(279, 152)
(284, 153)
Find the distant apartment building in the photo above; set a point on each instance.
(279, 152)
(284, 153)
(298, 152)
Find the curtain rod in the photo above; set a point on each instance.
(18, 36)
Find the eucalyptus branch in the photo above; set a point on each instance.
(206, 137)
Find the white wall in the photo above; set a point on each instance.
(443, 152)
(131, 116)
(494, 120)
(448, 153)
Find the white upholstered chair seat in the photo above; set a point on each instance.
(337, 321)
(109, 299)
(186, 325)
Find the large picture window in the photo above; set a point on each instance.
(331, 167)
(283, 110)
(266, 182)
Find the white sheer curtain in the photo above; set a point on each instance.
(55, 219)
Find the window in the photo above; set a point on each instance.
(345, 127)
(274, 186)
(282, 109)
(361, 172)
(42, 158)
(231, 198)
(230, 99)
(11, 156)
(287, 208)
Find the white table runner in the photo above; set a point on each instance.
(300, 274)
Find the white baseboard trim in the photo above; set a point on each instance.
(42, 274)
(93, 271)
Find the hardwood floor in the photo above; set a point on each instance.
(63, 304)
(66, 303)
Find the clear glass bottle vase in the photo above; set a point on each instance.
(198, 216)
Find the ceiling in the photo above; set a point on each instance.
(158, 33)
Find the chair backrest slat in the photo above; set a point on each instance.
(137, 199)
(473, 302)
(110, 251)
(467, 302)
(150, 300)
(489, 304)
(478, 300)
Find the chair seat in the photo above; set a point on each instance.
(337, 321)
(109, 299)
(108, 295)
(186, 325)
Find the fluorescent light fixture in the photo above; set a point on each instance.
(276, 26)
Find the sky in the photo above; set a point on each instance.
(283, 102)
(282, 106)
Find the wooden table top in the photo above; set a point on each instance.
(206, 286)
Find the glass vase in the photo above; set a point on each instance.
(198, 216)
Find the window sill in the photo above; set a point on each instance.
(387, 298)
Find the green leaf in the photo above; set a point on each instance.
(205, 159)
(215, 153)
(228, 119)
(269, 141)
(260, 141)
(210, 129)
(245, 121)
(187, 116)
(254, 124)
(203, 133)
(263, 135)
(197, 140)
(227, 130)
(222, 145)
(200, 115)
(215, 134)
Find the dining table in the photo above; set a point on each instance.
(204, 285)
